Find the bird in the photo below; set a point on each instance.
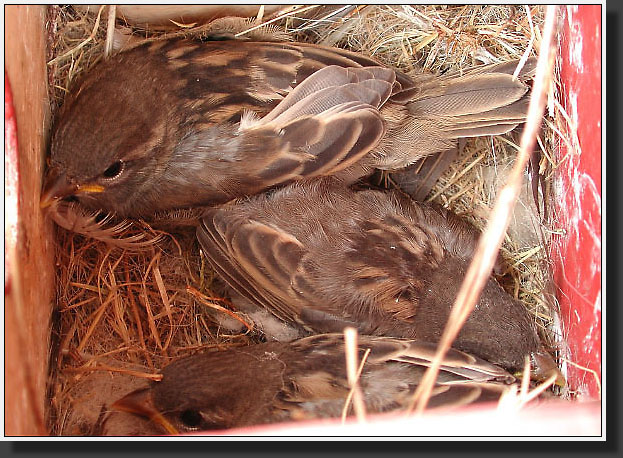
(303, 380)
(321, 256)
(180, 123)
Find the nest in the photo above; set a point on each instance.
(123, 312)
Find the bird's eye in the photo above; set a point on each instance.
(114, 170)
(191, 418)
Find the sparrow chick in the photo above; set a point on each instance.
(322, 256)
(303, 380)
(176, 123)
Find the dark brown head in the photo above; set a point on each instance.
(212, 391)
(109, 143)
(499, 329)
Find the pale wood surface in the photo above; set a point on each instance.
(28, 299)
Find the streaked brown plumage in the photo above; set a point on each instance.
(158, 127)
(323, 256)
(303, 380)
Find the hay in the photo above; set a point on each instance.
(131, 310)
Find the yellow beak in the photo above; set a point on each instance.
(57, 186)
(139, 402)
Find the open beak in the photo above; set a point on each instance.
(139, 402)
(544, 366)
(57, 186)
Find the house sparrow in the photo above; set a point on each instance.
(302, 380)
(178, 123)
(323, 256)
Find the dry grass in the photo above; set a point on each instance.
(143, 306)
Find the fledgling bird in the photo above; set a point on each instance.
(323, 256)
(179, 123)
(303, 380)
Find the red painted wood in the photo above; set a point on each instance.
(11, 181)
(577, 254)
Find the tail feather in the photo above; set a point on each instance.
(527, 70)
(514, 112)
(469, 95)
(480, 131)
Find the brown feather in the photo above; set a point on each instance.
(387, 264)
(185, 138)
(306, 379)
